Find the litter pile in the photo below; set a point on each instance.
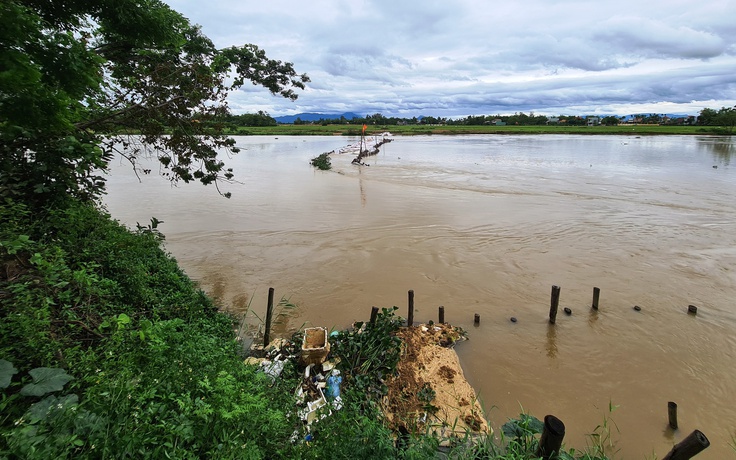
(318, 390)
(428, 391)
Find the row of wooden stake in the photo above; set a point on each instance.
(554, 429)
(554, 306)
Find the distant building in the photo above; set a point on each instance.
(553, 120)
(498, 122)
(593, 121)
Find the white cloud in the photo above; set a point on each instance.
(453, 58)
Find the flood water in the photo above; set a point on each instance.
(487, 224)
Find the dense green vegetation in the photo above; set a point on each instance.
(155, 366)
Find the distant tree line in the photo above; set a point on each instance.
(726, 116)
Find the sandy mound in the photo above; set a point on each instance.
(430, 390)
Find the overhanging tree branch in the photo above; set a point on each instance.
(77, 72)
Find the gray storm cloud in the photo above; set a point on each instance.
(462, 57)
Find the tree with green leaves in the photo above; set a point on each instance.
(77, 77)
(707, 117)
(727, 117)
(610, 120)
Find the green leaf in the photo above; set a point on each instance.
(535, 425)
(40, 410)
(122, 320)
(7, 371)
(512, 429)
(525, 425)
(46, 380)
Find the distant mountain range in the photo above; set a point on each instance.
(316, 117)
(668, 115)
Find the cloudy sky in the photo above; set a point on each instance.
(456, 58)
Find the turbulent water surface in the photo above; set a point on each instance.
(487, 224)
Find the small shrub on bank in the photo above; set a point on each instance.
(368, 353)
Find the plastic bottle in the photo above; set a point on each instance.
(333, 384)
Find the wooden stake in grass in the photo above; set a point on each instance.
(374, 313)
(672, 414)
(554, 303)
(410, 316)
(269, 314)
(691, 446)
(551, 440)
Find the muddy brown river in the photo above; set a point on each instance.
(486, 225)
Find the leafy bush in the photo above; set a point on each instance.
(369, 352)
(322, 162)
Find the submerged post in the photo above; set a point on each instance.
(410, 316)
(269, 313)
(691, 446)
(442, 315)
(554, 303)
(672, 414)
(596, 296)
(476, 319)
(551, 440)
(374, 313)
(692, 309)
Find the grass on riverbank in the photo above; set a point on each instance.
(412, 130)
(108, 350)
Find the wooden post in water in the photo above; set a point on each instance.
(672, 414)
(374, 312)
(410, 316)
(691, 446)
(554, 303)
(476, 319)
(269, 314)
(692, 309)
(442, 314)
(596, 296)
(551, 440)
